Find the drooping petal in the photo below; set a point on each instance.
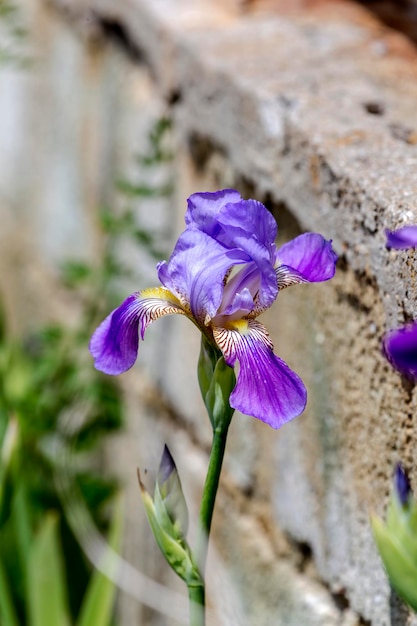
(266, 387)
(287, 276)
(400, 348)
(196, 271)
(203, 209)
(402, 238)
(114, 344)
(307, 258)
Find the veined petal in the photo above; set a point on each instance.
(288, 276)
(266, 387)
(400, 348)
(248, 219)
(307, 258)
(203, 209)
(114, 345)
(402, 238)
(249, 226)
(242, 303)
(196, 272)
(244, 225)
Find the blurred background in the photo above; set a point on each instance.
(98, 153)
(85, 184)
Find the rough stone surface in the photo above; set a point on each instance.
(310, 107)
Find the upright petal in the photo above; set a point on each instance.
(114, 344)
(403, 238)
(266, 387)
(248, 219)
(400, 348)
(203, 209)
(196, 271)
(249, 226)
(307, 258)
(240, 225)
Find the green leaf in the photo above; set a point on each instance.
(22, 523)
(401, 570)
(7, 609)
(401, 525)
(98, 603)
(75, 273)
(46, 585)
(143, 190)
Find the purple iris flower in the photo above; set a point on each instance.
(224, 272)
(403, 238)
(402, 485)
(400, 348)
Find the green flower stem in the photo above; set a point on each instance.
(197, 594)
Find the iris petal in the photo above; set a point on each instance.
(287, 276)
(251, 228)
(266, 387)
(242, 303)
(308, 258)
(203, 209)
(196, 271)
(245, 225)
(403, 238)
(114, 344)
(400, 348)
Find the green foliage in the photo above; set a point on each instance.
(55, 412)
(46, 588)
(96, 285)
(44, 582)
(396, 540)
(98, 600)
(12, 35)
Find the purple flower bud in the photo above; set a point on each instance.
(166, 466)
(402, 484)
(169, 490)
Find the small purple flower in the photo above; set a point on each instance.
(403, 238)
(224, 272)
(402, 485)
(400, 348)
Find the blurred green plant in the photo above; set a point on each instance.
(12, 35)
(44, 583)
(396, 540)
(98, 285)
(55, 412)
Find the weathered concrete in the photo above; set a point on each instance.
(312, 109)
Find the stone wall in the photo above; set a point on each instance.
(309, 107)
